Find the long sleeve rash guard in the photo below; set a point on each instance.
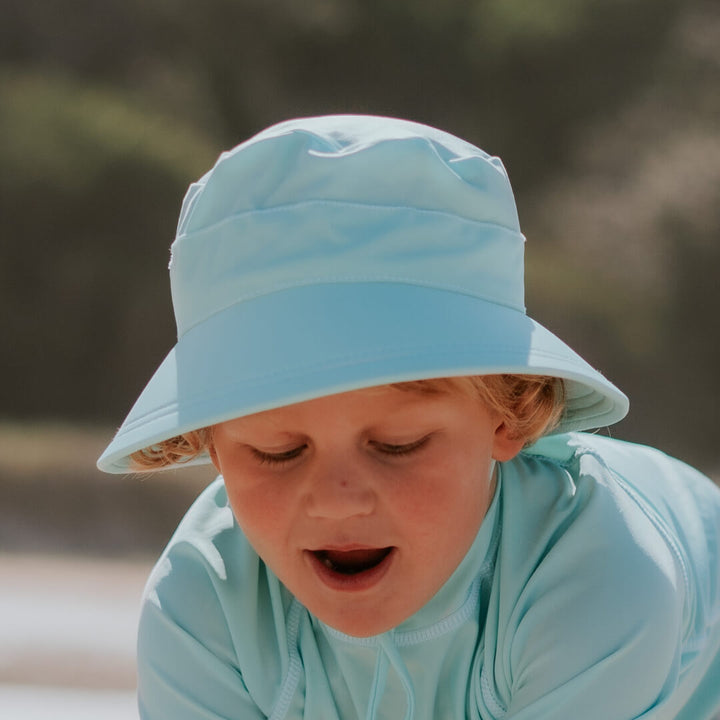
(592, 591)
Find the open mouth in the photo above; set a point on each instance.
(352, 562)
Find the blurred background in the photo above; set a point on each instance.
(605, 112)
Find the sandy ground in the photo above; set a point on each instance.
(68, 624)
(67, 637)
(41, 703)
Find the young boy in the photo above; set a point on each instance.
(407, 522)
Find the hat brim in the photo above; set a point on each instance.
(315, 340)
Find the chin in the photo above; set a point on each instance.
(363, 623)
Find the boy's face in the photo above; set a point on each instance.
(364, 503)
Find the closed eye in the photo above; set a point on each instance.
(278, 458)
(399, 450)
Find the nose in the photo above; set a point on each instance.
(338, 491)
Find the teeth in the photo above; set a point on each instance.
(327, 562)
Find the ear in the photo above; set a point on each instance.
(506, 445)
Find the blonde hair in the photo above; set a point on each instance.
(529, 405)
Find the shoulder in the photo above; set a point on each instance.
(584, 580)
(572, 502)
(653, 504)
(209, 561)
(607, 570)
(609, 506)
(612, 474)
(212, 602)
(207, 534)
(200, 558)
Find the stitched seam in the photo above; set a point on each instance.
(652, 516)
(660, 527)
(448, 624)
(656, 521)
(490, 698)
(406, 638)
(340, 279)
(282, 704)
(340, 203)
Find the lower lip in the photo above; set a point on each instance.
(358, 582)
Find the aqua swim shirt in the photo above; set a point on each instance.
(591, 592)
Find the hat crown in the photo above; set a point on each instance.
(346, 199)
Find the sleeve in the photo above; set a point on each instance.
(186, 664)
(594, 643)
(593, 628)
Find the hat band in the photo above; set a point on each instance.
(317, 242)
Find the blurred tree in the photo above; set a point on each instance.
(88, 195)
(629, 245)
(515, 76)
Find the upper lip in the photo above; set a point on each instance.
(347, 547)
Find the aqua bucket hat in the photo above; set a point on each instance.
(334, 253)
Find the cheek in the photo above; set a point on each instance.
(258, 510)
(450, 496)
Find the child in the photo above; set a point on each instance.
(408, 523)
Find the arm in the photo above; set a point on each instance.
(590, 614)
(592, 652)
(211, 642)
(186, 664)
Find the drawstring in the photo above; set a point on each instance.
(399, 666)
(378, 686)
(388, 655)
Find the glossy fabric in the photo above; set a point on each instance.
(591, 591)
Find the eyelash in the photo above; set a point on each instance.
(400, 450)
(287, 456)
(280, 458)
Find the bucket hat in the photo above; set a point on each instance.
(335, 253)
